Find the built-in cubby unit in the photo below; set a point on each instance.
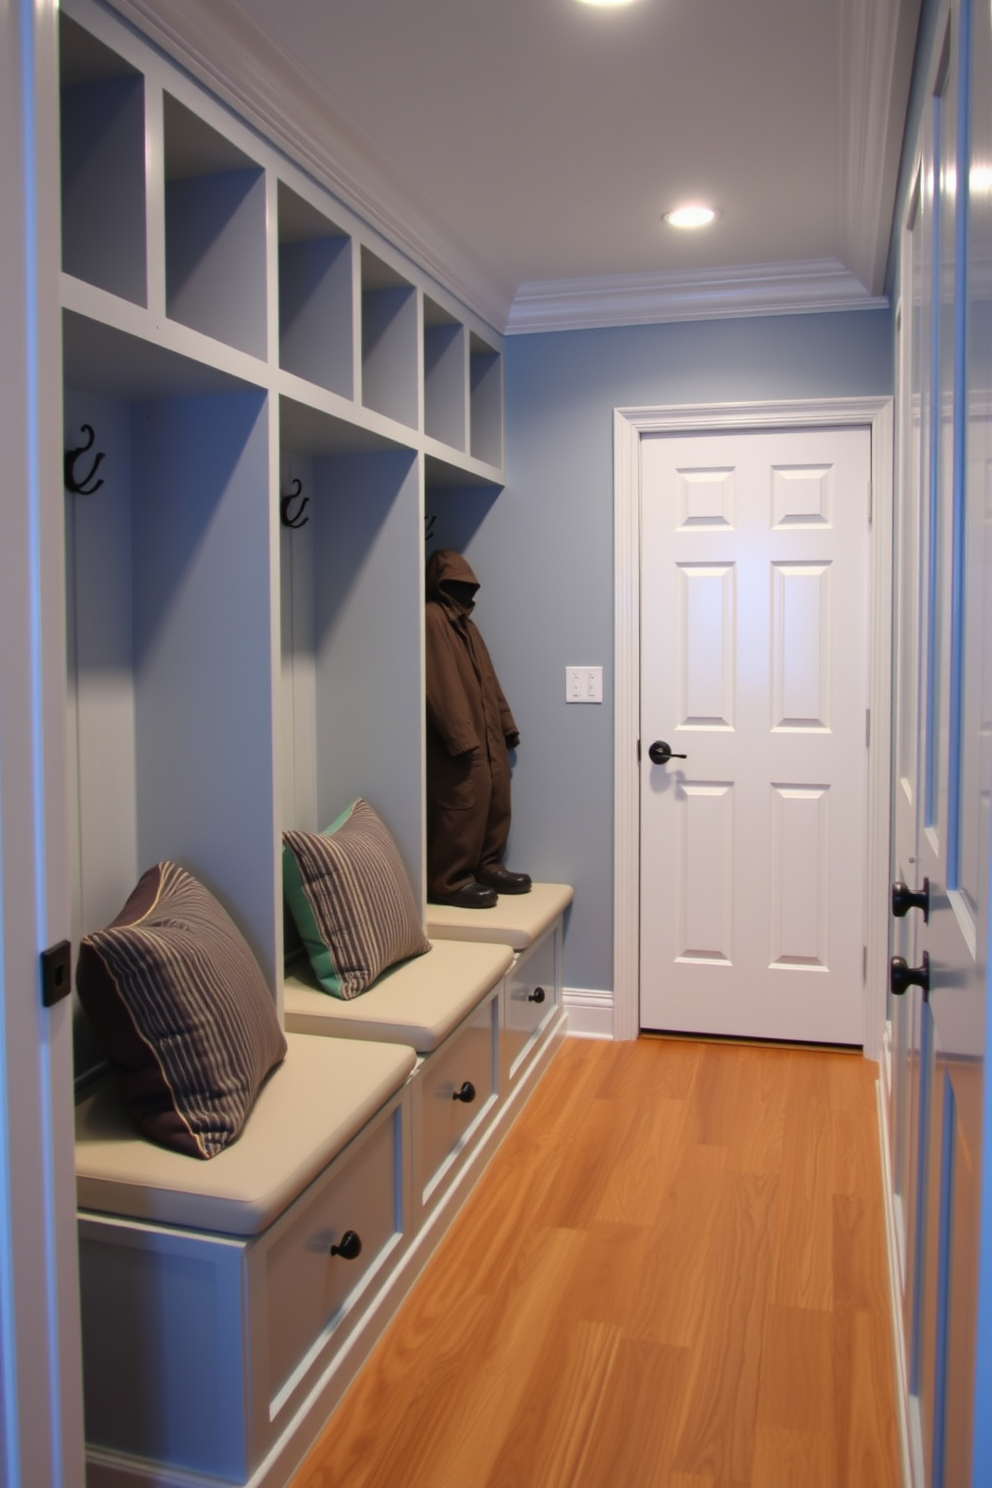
(258, 391)
(103, 165)
(316, 311)
(352, 673)
(445, 376)
(215, 238)
(171, 681)
(486, 395)
(390, 371)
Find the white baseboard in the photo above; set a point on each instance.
(590, 1014)
(909, 1460)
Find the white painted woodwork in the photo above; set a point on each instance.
(41, 1432)
(754, 662)
(943, 776)
(535, 971)
(445, 1127)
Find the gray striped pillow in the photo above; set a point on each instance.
(178, 1002)
(351, 899)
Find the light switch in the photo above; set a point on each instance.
(583, 684)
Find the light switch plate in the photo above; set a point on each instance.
(583, 684)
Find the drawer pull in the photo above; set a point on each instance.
(466, 1094)
(537, 995)
(350, 1248)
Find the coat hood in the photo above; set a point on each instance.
(448, 567)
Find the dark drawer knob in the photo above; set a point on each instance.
(902, 976)
(466, 1094)
(350, 1248)
(538, 995)
(903, 900)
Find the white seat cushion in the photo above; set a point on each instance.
(517, 920)
(310, 1108)
(418, 1002)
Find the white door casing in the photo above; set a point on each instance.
(754, 630)
(631, 426)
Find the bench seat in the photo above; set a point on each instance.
(517, 920)
(418, 1002)
(308, 1110)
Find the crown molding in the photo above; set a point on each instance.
(809, 286)
(878, 38)
(236, 58)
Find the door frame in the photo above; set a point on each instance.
(630, 426)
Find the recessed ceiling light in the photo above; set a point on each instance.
(604, 4)
(690, 216)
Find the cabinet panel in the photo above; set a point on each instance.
(532, 998)
(447, 1123)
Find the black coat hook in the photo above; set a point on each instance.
(85, 485)
(295, 519)
(429, 521)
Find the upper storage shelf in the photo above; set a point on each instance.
(214, 233)
(315, 296)
(185, 227)
(103, 165)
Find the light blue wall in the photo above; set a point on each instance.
(543, 552)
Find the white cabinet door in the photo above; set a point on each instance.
(754, 664)
(946, 1062)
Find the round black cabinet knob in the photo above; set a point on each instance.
(902, 976)
(466, 1094)
(660, 753)
(903, 899)
(538, 995)
(350, 1248)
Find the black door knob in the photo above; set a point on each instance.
(466, 1094)
(660, 753)
(902, 976)
(537, 995)
(903, 899)
(350, 1248)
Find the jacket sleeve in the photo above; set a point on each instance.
(447, 712)
(507, 722)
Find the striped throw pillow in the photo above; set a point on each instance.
(180, 1006)
(351, 899)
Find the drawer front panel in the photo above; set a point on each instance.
(468, 1056)
(532, 997)
(308, 1290)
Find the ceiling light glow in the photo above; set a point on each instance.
(691, 215)
(606, 4)
(980, 180)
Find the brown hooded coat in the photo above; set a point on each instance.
(469, 730)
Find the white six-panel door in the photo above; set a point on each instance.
(754, 663)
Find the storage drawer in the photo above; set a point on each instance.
(315, 1268)
(532, 995)
(458, 1086)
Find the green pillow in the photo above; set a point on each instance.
(349, 894)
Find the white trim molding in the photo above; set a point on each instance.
(806, 287)
(590, 1014)
(910, 1461)
(225, 48)
(877, 41)
(630, 426)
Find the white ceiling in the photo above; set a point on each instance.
(525, 142)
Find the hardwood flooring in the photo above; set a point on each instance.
(673, 1275)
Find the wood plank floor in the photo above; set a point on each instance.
(673, 1275)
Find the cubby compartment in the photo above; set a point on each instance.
(486, 401)
(445, 376)
(352, 685)
(103, 165)
(315, 296)
(214, 233)
(389, 341)
(170, 678)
